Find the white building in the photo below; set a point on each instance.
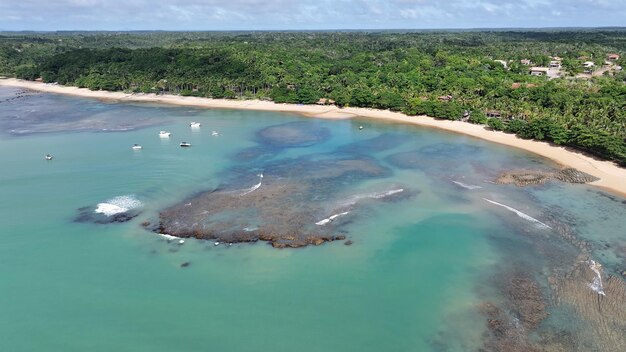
(539, 71)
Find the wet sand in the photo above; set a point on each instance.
(611, 177)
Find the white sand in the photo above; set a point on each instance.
(612, 177)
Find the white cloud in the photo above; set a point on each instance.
(305, 14)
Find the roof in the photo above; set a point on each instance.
(539, 69)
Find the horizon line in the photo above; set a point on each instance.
(317, 30)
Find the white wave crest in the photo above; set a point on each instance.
(596, 285)
(255, 187)
(331, 218)
(168, 237)
(118, 205)
(465, 185)
(378, 195)
(384, 194)
(519, 213)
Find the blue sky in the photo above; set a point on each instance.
(305, 14)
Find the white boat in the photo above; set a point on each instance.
(137, 147)
(49, 157)
(164, 134)
(185, 144)
(215, 133)
(194, 124)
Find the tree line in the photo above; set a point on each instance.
(448, 75)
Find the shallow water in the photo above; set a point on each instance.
(417, 276)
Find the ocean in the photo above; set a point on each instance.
(426, 251)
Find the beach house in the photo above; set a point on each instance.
(324, 101)
(588, 67)
(538, 71)
(612, 57)
(493, 114)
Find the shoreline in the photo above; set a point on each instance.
(611, 177)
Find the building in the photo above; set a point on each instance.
(555, 64)
(493, 114)
(539, 71)
(612, 57)
(588, 67)
(324, 101)
(445, 98)
(525, 62)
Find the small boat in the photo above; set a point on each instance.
(215, 133)
(137, 147)
(164, 134)
(360, 127)
(185, 144)
(194, 124)
(49, 157)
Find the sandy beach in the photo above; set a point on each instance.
(612, 177)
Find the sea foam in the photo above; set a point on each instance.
(255, 187)
(596, 285)
(331, 218)
(379, 195)
(118, 205)
(465, 185)
(519, 213)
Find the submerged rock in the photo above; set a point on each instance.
(381, 143)
(87, 214)
(117, 209)
(294, 134)
(511, 324)
(297, 204)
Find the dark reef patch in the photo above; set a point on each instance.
(254, 153)
(434, 156)
(381, 143)
(88, 215)
(293, 134)
(294, 204)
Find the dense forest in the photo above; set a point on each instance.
(448, 75)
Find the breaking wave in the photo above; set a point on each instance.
(331, 218)
(465, 185)
(596, 285)
(519, 213)
(255, 187)
(379, 195)
(167, 237)
(118, 205)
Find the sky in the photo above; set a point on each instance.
(116, 15)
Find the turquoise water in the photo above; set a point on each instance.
(414, 279)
